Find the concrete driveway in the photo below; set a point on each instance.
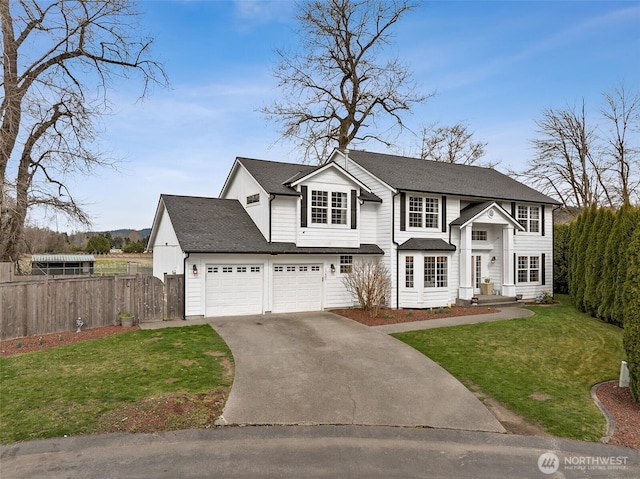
(319, 368)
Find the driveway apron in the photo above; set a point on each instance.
(319, 368)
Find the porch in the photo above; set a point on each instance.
(490, 301)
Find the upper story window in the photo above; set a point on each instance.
(424, 212)
(322, 212)
(478, 235)
(338, 208)
(319, 204)
(529, 218)
(251, 199)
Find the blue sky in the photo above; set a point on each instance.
(493, 65)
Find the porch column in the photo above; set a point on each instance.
(508, 264)
(465, 290)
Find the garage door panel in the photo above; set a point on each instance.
(297, 288)
(234, 289)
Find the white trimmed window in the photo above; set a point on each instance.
(529, 218)
(338, 208)
(252, 199)
(528, 269)
(478, 235)
(408, 272)
(424, 212)
(319, 205)
(436, 272)
(345, 264)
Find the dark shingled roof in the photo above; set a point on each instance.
(272, 175)
(426, 244)
(412, 174)
(470, 211)
(213, 225)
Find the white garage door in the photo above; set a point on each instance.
(234, 290)
(297, 288)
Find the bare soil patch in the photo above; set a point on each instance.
(395, 316)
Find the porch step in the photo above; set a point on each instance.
(494, 301)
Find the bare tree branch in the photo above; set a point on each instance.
(55, 54)
(338, 87)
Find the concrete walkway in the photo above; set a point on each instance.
(504, 313)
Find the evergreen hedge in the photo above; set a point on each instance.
(597, 261)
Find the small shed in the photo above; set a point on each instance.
(63, 264)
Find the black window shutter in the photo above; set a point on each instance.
(513, 213)
(403, 211)
(543, 269)
(444, 214)
(515, 268)
(303, 207)
(542, 219)
(354, 209)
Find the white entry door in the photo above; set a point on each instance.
(297, 288)
(476, 272)
(234, 289)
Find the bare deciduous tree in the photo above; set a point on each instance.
(59, 59)
(370, 282)
(622, 143)
(452, 144)
(566, 165)
(338, 87)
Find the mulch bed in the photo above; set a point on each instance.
(625, 412)
(9, 347)
(395, 316)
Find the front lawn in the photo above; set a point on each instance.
(116, 383)
(541, 367)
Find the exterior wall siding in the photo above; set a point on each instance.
(284, 219)
(242, 186)
(167, 255)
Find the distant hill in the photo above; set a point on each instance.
(125, 232)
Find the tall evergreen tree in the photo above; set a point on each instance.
(594, 259)
(561, 237)
(631, 310)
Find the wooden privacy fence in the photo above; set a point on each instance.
(30, 308)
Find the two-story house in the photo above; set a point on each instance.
(281, 236)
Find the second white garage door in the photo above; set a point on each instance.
(297, 288)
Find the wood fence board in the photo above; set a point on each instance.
(52, 305)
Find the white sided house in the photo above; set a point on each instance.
(281, 236)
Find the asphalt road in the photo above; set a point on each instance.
(313, 452)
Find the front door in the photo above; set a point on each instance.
(476, 272)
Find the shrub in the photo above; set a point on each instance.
(631, 312)
(561, 236)
(370, 282)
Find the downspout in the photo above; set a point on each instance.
(271, 198)
(553, 249)
(184, 287)
(393, 240)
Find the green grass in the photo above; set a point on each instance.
(66, 390)
(558, 352)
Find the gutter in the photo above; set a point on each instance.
(393, 240)
(184, 287)
(271, 198)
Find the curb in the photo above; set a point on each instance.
(611, 423)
